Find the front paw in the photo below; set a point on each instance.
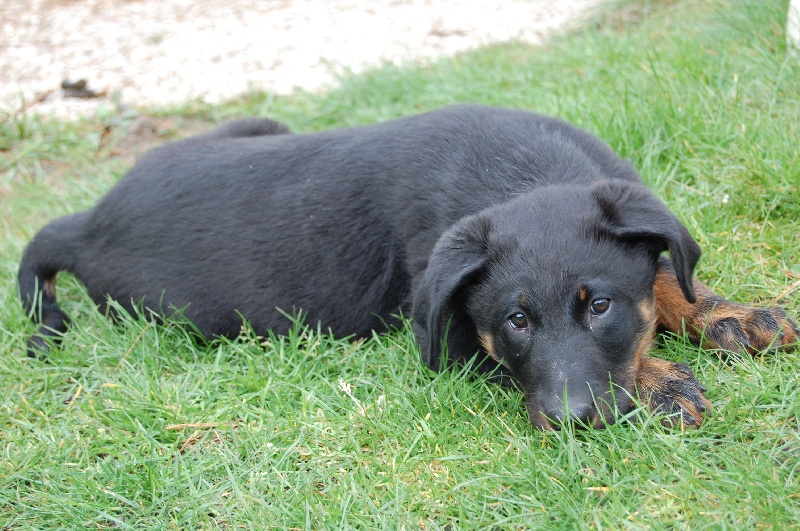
(672, 390)
(739, 328)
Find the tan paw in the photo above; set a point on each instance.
(672, 390)
(739, 328)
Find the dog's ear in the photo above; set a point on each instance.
(439, 305)
(633, 214)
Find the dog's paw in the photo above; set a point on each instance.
(740, 328)
(671, 389)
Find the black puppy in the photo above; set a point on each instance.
(504, 233)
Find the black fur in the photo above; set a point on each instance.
(458, 217)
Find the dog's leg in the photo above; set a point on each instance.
(717, 323)
(713, 322)
(671, 389)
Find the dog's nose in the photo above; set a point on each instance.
(581, 414)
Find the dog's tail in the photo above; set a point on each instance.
(247, 128)
(53, 249)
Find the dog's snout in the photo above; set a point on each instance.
(581, 414)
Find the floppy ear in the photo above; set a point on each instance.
(632, 213)
(439, 306)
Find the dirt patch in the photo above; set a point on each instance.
(161, 52)
(127, 138)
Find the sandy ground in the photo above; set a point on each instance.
(167, 51)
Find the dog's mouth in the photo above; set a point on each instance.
(596, 414)
(547, 423)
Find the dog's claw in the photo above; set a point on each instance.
(671, 389)
(739, 328)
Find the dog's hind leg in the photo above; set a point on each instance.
(717, 323)
(53, 249)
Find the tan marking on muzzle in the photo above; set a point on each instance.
(644, 340)
(487, 342)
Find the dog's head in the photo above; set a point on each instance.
(555, 285)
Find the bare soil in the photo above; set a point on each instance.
(159, 52)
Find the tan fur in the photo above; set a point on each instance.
(711, 315)
(487, 342)
(645, 339)
(671, 305)
(49, 287)
(583, 294)
(654, 377)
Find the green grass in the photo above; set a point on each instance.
(139, 426)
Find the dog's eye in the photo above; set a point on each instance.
(600, 306)
(518, 321)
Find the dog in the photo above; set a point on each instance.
(513, 240)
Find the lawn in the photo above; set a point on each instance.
(140, 426)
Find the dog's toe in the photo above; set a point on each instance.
(741, 328)
(671, 389)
